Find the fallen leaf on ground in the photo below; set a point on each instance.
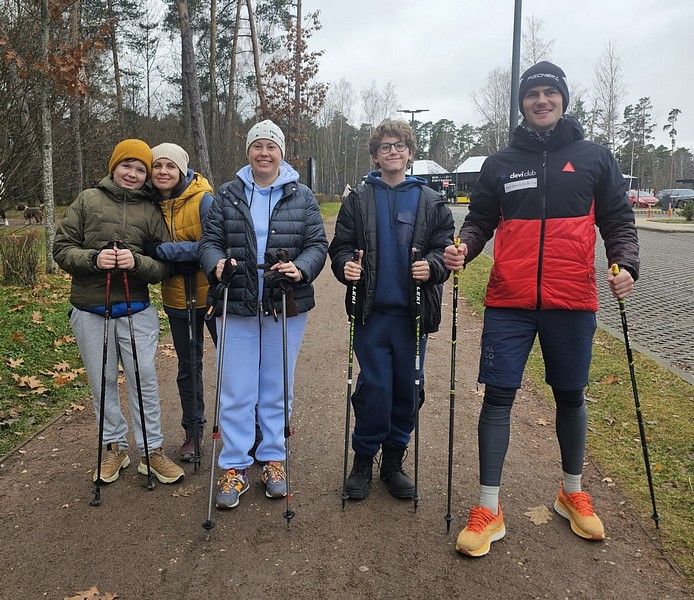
(539, 514)
(92, 594)
(543, 422)
(14, 362)
(184, 492)
(36, 317)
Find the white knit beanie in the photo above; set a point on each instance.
(174, 153)
(265, 130)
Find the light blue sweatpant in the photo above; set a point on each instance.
(253, 374)
(89, 333)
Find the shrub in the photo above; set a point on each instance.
(688, 211)
(19, 257)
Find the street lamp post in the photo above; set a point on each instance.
(413, 113)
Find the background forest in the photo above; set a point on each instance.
(77, 76)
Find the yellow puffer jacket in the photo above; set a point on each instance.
(182, 217)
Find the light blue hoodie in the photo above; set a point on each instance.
(262, 202)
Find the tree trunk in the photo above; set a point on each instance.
(231, 91)
(262, 100)
(116, 68)
(214, 106)
(194, 102)
(297, 83)
(47, 146)
(76, 107)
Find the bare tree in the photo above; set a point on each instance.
(672, 132)
(535, 48)
(230, 112)
(214, 105)
(120, 113)
(76, 105)
(262, 98)
(378, 105)
(494, 103)
(47, 144)
(194, 101)
(609, 91)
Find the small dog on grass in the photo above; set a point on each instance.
(33, 214)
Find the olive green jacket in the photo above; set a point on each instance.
(104, 214)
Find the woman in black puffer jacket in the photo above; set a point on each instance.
(262, 211)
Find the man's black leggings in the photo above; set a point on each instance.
(494, 430)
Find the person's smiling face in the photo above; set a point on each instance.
(265, 157)
(389, 158)
(165, 175)
(542, 106)
(130, 174)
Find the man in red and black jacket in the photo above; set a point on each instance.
(543, 195)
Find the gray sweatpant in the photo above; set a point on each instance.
(89, 333)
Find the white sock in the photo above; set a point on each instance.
(489, 497)
(572, 483)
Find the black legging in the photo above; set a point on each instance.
(494, 431)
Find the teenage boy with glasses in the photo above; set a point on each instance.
(386, 219)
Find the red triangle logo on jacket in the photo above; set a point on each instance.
(568, 168)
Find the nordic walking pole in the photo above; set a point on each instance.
(454, 342)
(289, 513)
(190, 291)
(417, 255)
(639, 417)
(225, 282)
(350, 366)
(102, 401)
(126, 285)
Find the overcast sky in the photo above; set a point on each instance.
(437, 52)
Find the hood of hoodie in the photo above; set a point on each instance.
(374, 178)
(287, 175)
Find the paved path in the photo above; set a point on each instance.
(660, 311)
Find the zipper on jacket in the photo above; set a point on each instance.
(542, 230)
(173, 222)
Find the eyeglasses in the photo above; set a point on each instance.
(385, 148)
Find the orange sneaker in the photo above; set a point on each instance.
(577, 508)
(483, 527)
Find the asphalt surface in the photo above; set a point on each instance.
(660, 312)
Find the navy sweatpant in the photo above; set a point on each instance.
(384, 397)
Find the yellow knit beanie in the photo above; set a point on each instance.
(133, 149)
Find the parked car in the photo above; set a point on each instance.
(675, 198)
(642, 199)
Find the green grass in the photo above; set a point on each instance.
(667, 407)
(41, 372)
(329, 209)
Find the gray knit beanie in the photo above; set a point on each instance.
(265, 130)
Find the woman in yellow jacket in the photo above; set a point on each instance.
(184, 197)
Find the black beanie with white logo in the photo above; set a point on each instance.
(543, 73)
